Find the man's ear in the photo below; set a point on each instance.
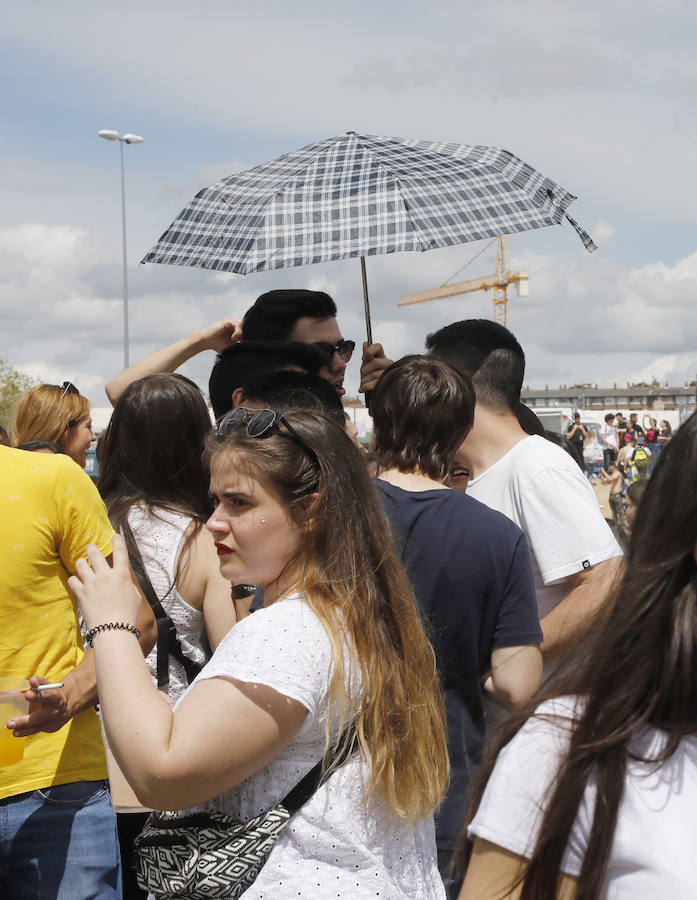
(237, 397)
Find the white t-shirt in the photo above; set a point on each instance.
(608, 436)
(543, 490)
(653, 851)
(336, 845)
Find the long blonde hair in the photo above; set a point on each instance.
(45, 413)
(355, 584)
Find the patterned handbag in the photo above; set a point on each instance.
(206, 856)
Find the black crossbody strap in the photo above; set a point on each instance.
(316, 777)
(168, 643)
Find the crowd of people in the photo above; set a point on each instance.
(430, 671)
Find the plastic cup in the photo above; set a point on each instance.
(12, 703)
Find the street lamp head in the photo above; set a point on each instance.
(132, 139)
(109, 135)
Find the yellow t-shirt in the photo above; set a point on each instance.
(49, 512)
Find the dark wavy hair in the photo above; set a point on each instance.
(638, 670)
(152, 449)
(422, 409)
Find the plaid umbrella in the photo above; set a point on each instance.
(358, 195)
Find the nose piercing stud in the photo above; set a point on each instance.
(263, 520)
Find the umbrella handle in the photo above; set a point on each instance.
(366, 304)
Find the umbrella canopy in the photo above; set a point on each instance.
(359, 195)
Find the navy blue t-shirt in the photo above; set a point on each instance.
(471, 572)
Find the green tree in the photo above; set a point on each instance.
(12, 385)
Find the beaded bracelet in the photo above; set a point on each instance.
(110, 626)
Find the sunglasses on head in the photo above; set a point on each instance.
(343, 348)
(259, 422)
(68, 388)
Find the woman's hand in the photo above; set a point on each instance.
(105, 593)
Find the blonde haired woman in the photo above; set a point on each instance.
(339, 640)
(57, 415)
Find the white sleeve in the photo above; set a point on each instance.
(283, 646)
(515, 798)
(564, 526)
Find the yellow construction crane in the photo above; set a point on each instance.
(499, 281)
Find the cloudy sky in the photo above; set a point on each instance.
(599, 96)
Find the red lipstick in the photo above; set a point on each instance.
(222, 549)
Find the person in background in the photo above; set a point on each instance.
(593, 794)
(631, 502)
(59, 414)
(469, 566)
(339, 640)
(154, 482)
(58, 836)
(608, 440)
(665, 432)
(621, 428)
(640, 461)
(651, 430)
(537, 485)
(614, 476)
(576, 433)
(634, 429)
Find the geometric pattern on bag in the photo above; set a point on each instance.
(205, 855)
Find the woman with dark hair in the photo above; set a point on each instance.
(469, 566)
(594, 795)
(155, 485)
(338, 648)
(153, 478)
(56, 414)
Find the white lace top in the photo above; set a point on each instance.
(336, 846)
(159, 534)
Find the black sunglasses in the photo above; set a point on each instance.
(68, 388)
(259, 422)
(343, 348)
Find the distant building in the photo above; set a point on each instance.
(640, 398)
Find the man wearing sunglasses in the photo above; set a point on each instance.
(305, 316)
(299, 316)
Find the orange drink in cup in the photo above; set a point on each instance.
(12, 703)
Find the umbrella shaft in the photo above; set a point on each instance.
(366, 304)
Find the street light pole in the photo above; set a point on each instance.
(109, 135)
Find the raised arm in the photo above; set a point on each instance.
(222, 732)
(217, 336)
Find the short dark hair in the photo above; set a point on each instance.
(239, 362)
(489, 354)
(422, 409)
(609, 416)
(274, 314)
(286, 389)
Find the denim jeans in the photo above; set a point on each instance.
(60, 843)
